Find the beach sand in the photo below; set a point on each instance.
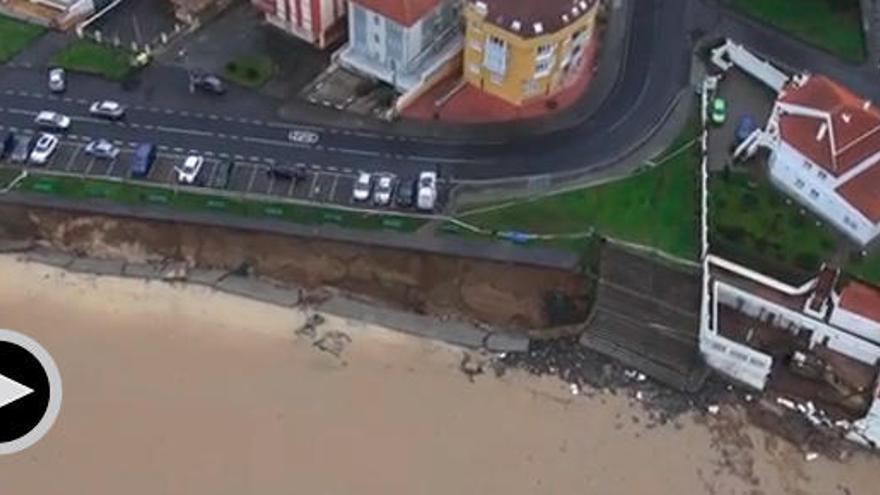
(174, 389)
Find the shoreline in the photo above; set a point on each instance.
(243, 402)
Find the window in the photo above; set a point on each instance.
(799, 184)
(814, 194)
(543, 67)
(546, 49)
(807, 165)
(474, 68)
(495, 55)
(496, 79)
(823, 175)
(530, 87)
(376, 38)
(376, 19)
(476, 45)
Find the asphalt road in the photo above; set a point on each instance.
(241, 124)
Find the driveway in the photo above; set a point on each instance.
(136, 22)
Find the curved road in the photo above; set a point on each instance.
(654, 71)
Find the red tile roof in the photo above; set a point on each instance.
(861, 299)
(406, 12)
(855, 129)
(863, 193)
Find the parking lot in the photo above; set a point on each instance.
(136, 22)
(247, 176)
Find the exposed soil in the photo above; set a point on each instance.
(508, 295)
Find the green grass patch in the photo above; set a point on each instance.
(15, 36)
(867, 268)
(753, 223)
(93, 58)
(251, 71)
(657, 207)
(137, 194)
(834, 25)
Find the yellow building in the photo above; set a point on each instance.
(526, 50)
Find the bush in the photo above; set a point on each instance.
(251, 73)
(232, 66)
(806, 261)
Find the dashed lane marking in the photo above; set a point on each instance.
(191, 132)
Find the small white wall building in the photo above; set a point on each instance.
(755, 324)
(825, 152)
(405, 43)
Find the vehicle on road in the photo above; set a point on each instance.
(57, 80)
(188, 171)
(222, 175)
(426, 198)
(102, 148)
(405, 194)
(206, 82)
(718, 111)
(744, 128)
(362, 187)
(46, 145)
(303, 137)
(22, 150)
(296, 173)
(383, 190)
(7, 145)
(107, 109)
(142, 160)
(52, 121)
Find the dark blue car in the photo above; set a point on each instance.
(142, 160)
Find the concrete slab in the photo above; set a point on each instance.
(206, 276)
(258, 289)
(15, 246)
(455, 333)
(506, 342)
(48, 256)
(144, 270)
(97, 266)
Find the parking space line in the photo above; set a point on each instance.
(290, 188)
(112, 166)
(332, 168)
(315, 166)
(89, 167)
(313, 186)
(271, 184)
(170, 177)
(348, 170)
(72, 158)
(253, 177)
(223, 155)
(332, 196)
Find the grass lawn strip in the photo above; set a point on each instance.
(753, 223)
(251, 71)
(92, 58)
(835, 25)
(15, 35)
(657, 207)
(137, 194)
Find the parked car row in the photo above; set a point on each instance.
(385, 188)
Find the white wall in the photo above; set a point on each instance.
(798, 177)
(856, 323)
(822, 333)
(739, 362)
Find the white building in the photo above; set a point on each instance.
(825, 153)
(816, 344)
(319, 22)
(406, 43)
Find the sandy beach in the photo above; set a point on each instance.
(174, 389)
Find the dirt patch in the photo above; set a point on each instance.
(495, 293)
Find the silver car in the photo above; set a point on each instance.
(108, 109)
(57, 80)
(101, 148)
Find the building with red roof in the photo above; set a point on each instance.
(319, 22)
(825, 152)
(408, 44)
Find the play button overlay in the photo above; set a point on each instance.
(30, 392)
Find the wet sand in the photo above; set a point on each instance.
(177, 389)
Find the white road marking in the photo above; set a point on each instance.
(273, 142)
(191, 132)
(359, 152)
(72, 158)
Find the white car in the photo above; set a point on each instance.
(384, 189)
(57, 80)
(46, 145)
(189, 171)
(426, 197)
(108, 109)
(102, 148)
(362, 187)
(52, 120)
